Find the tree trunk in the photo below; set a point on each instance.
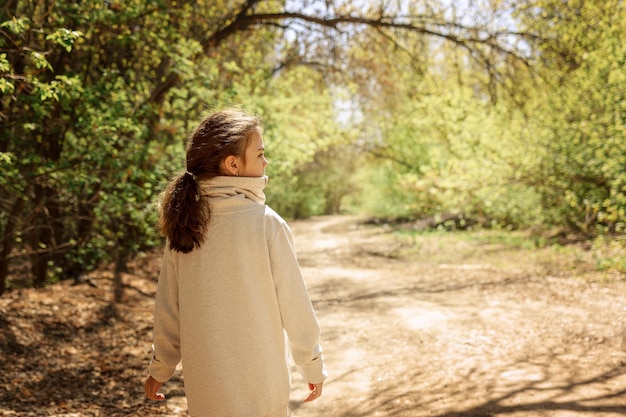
(121, 259)
(8, 240)
(40, 238)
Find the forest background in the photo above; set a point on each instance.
(504, 114)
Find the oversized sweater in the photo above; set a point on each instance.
(225, 308)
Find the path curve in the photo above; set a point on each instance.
(455, 330)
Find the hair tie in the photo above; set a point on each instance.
(193, 177)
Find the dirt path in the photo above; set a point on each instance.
(458, 329)
(433, 325)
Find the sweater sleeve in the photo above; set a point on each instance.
(166, 330)
(298, 316)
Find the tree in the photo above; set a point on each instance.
(97, 97)
(445, 137)
(511, 147)
(581, 111)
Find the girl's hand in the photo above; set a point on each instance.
(151, 387)
(316, 391)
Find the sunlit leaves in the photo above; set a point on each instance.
(586, 132)
(100, 97)
(17, 25)
(5, 66)
(62, 86)
(40, 61)
(544, 148)
(6, 87)
(65, 37)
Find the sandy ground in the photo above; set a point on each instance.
(452, 329)
(428, 325)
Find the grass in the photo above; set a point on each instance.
(601, 258)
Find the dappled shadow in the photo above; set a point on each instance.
(326, 293)
(8, 339)
(63, 372)
(458, 328)
(401, 338)
(65, 348)
(540, 389)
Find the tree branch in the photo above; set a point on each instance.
(244, 21)
(239, 23)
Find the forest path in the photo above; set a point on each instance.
(442, 326)
(437, 324)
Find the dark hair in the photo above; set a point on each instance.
(183, 215)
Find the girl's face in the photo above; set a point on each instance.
(255, 161)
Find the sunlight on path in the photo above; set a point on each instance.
(452, 337)
(420, 319)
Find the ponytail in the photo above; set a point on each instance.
(183, 215)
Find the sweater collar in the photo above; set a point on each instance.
(227, 186)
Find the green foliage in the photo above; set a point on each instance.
(16, 25)
(609, 255)
(383, 197)
(65, 37)
(585, 133)
(304, 140)
(540, 151)
(83, 157)
(97, 100)
(452, 152)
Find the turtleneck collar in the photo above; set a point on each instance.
(224, 187)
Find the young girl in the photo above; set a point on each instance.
(230, 290)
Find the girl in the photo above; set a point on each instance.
(230, 289)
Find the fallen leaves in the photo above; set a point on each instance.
(67, 351)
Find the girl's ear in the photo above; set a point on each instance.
(230, 165)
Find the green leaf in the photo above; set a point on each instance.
(5, 158)
(17, 25)
(5, 65)
(6, 87)
(40, 60)
(65, 37)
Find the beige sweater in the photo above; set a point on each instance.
(224, 309)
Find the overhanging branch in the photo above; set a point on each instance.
(244, 21)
